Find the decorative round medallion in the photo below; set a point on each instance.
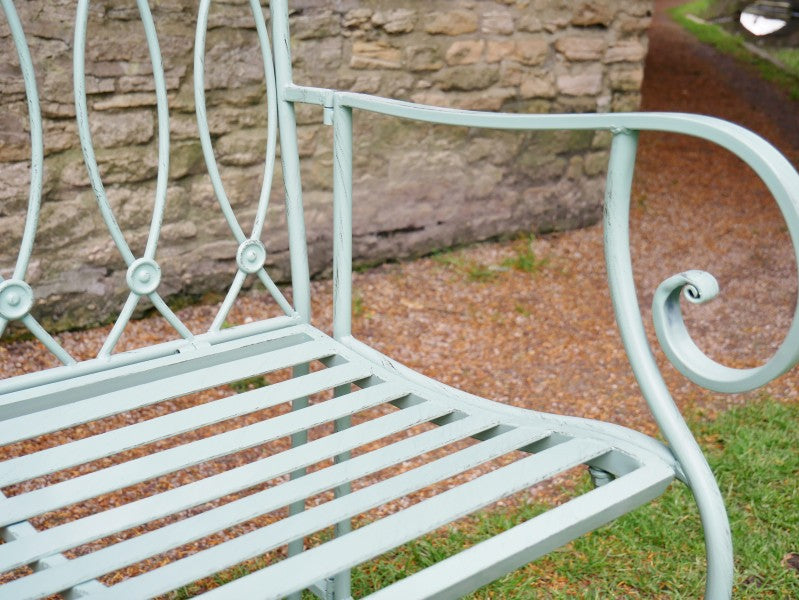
(143, 276)
(251, 256)
(16, 299)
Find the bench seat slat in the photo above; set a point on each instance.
(69, 535)
(124, 438)
(24, 506)
(474, 567)
(192, 528)
(71, 384)
(157, 390)
(422, 517)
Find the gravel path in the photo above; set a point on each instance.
(546, 340)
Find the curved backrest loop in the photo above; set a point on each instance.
(251, 253)
(204, 130)
(37, 145)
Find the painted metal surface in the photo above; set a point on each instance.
(635, 467)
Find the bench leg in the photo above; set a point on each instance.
(297, 439)
(341, 581)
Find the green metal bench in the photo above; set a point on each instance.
(629, 468)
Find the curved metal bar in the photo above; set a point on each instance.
(275, 292)
(685, 355)
(143, 274)
(170, 316)
(37, 145)
(49, 342)
(82, 115)
(163, 128)
(227, 303)
(202, 122)
(119, 326)
(271, 124)
(718, 541)
(15, 292)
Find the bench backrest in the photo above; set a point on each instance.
(143, 276)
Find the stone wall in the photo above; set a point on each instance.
(417, 187)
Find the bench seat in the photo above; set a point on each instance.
(432, 432)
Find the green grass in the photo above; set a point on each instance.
(733, 44)
(471, 269)
(525, 259)
(654, 552)
(251, 383)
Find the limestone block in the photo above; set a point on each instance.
(432, 98)
(467, 77)
(492, 99)
(396, 21)
(118, 101)
(453, 22)
(497, 23)
(241, 147)
(10, 236)
(177, 232)
(531, 51)
(375, 55)
(315, 25)
(366, 83)
(586, 81)
(627, 79)
(497, 50)
(529, 22)
(626, 102)
(231, 61)
(511, 73)
(626, 51)
(632, 25)
(465, 52)
(357, 18)
(581, 47)
(595, 163)
(540, 86)
(110, 129)
(14, 140)
(594, 12)
(127, 164)
(423, 58)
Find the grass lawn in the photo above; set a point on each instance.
(786, 76)
(656, 551)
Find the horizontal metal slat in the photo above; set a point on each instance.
(124, 438)
(371, 540)
(474, 567)
(169, 536)
(73, 384)
(275, 535)
(192, 494)
(158, 390)
(24, 506)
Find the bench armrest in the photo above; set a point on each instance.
(771, 166)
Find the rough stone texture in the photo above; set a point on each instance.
(411, 190)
